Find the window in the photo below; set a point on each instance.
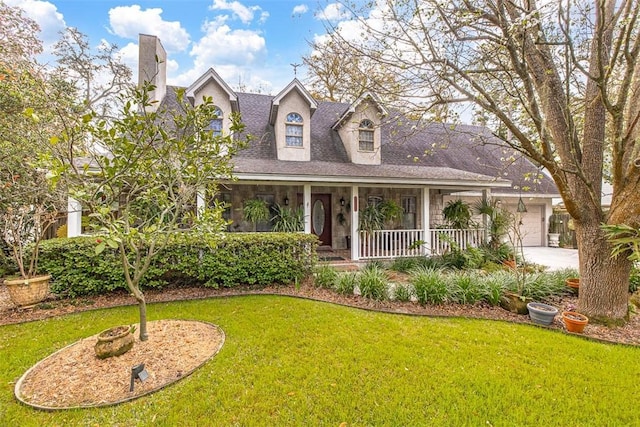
(365, 137)
(216, 123)
(409, 212)
(293, 131)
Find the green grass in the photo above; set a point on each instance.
(297, 362)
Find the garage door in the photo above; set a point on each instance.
(532, 222)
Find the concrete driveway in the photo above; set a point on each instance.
(554, 258)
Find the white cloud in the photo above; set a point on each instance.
(224, 48)
(244, 13)
(129, 21)
(46, 14)
(300, 9)
(333, 12)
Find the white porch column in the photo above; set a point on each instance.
(355, 236)
(486, 196)
(200, 202)
(307, 208)
(74, 217)
(426, 219)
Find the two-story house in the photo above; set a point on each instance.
(333, 159)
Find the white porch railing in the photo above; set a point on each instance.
(442, 238)
(406, 243)
(390, 243)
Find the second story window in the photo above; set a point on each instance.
(365, 135)
(216, 123)
(293, 131)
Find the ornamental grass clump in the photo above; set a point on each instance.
(345, 283)
(373, 282)
(324, 276)
(465, 288)
(402, 292)
(430, 285)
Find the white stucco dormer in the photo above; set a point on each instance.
(211, 84)
(290, 116)
(359, 129)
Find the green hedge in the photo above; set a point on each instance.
(234, 259)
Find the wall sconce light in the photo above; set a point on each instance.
(286, 200)
(342, 201)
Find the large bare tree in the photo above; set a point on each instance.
(561, 76)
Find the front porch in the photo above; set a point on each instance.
(335, 214)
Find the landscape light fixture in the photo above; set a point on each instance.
(521, 207)
(138, 372)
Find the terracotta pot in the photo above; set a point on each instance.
(542, 314)
(515, 303)
(511, 263)
(26, 292)
(574, 321)
(114, 342)
(573, 283)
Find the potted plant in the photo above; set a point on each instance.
(555, 228)
(574, 321)
(29, 206)
(287, 220)
(573, 283)
(542, 314)
(376, 216)
(255, 211)
(457, 214)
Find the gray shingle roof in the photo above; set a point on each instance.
(410, 153)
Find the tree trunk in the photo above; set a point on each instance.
(604, 281)
(142, 307)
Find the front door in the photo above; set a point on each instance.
(321, 217)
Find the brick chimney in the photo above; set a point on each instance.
(152, 66)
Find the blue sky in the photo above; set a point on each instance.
(248, 41)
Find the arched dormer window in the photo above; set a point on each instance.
(216, 123)
(293, 130)
(365, 135)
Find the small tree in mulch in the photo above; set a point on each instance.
(142, 174)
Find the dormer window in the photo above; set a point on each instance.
(365, 135)
(293, 131)
(216, 123)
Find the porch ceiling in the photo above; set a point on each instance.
(316, 171)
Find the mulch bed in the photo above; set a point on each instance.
(74, 377)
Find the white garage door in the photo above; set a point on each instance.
(532, 222)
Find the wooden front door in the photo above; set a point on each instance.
(321, 217)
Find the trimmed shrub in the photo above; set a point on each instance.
(235, 259)
(430, 285)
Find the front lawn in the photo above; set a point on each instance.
(288, 361)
